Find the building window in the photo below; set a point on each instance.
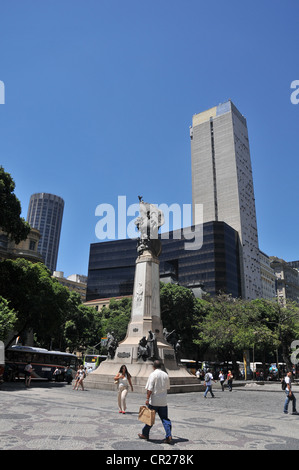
(32, 244)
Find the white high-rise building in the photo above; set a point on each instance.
(45, 214)
(222, 182)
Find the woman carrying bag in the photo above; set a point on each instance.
(123, 378)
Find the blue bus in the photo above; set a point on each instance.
(43, 362)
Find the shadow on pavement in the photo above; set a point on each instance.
(35, 383)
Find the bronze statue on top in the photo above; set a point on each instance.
(148, 224)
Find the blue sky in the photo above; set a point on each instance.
(99, 97)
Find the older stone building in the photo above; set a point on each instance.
(268, 277)
(75, 282)
(27, 249)
(287, 280)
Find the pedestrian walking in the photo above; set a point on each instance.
(208, 383)
(79, 378)
(28, 371)
(56, 374)
(76, 378)
(68, 375)
(230, 380)
(123, 378)
(156, 399)
(289, 395)
(221, 379)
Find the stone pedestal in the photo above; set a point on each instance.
(102, 378)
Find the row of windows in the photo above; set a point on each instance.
(112, 264)
(116, 283)
(17, 356)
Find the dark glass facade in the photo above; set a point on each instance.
(215, 265)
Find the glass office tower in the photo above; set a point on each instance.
(215, 266)
(45, 214)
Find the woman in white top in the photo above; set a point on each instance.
(221, 378)
(79, 378)
(124, 380)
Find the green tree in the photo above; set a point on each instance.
(116, 317)
(230, 326)
(38, 300)
(282, 321)
(7, 319)
(227, 329)
(56, 316)
(178, 310)
(218, 328)
(82, 326)
(11, 221)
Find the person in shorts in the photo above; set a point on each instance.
(27, 371)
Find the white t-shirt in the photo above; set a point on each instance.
(209, 382)
(288, 382)
(158, 383)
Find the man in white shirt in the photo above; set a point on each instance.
(157, 385)
(289, 394)
(208, 382)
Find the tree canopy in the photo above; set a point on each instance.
(41, 304)
(221, 327)
(11, 221)
(7, 319)
(231, 326)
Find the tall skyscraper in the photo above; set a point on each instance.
(222, 182)
(45, 213)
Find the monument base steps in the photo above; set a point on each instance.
(181, 381)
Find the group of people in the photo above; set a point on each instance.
(156, 392)
(287, 380)
(208, 378)
(59, 374)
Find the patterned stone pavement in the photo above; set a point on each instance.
(52, 416)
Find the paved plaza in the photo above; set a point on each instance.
(53, 416)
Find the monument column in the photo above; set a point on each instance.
(144, 341)
(145, 315)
